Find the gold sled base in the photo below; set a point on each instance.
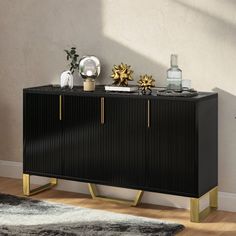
(195, 214)
(29, 192)
(94, 193)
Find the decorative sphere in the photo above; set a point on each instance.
(89, 67)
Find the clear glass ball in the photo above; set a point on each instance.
(89, 67)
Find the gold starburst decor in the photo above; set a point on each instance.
(145, 83)
(121, 74)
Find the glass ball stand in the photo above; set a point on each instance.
(89, 84)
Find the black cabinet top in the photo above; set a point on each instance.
(100, 92)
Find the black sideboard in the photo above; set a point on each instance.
(149, 143)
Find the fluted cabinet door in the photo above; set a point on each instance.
(172, 148)
(42, 135)
(124, 128)
(82, 149)
(108, 150)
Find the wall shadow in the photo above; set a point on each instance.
(226, 140)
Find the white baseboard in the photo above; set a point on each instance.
(11, 169)
(227, 201)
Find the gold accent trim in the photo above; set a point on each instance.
(94, 193)
(195, 214)
(26, 186)
(60, 107)
(102, 111)
(148, 113)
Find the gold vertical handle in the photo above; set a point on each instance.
(60, 107)
(148, 114)
(102, 110)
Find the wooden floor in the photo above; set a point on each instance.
(218, 223)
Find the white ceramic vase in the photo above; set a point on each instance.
(67, 79)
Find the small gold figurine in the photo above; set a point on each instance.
(145, 83)
(121, 74)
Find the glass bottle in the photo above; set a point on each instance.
(174, 75)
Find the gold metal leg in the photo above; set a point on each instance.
(95, 195)
(26, 186)
(195, 214)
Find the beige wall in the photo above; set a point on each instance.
(34, 33)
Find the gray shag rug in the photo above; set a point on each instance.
(25, 217)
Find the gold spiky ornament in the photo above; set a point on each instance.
(146, 82)
(121, 74)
